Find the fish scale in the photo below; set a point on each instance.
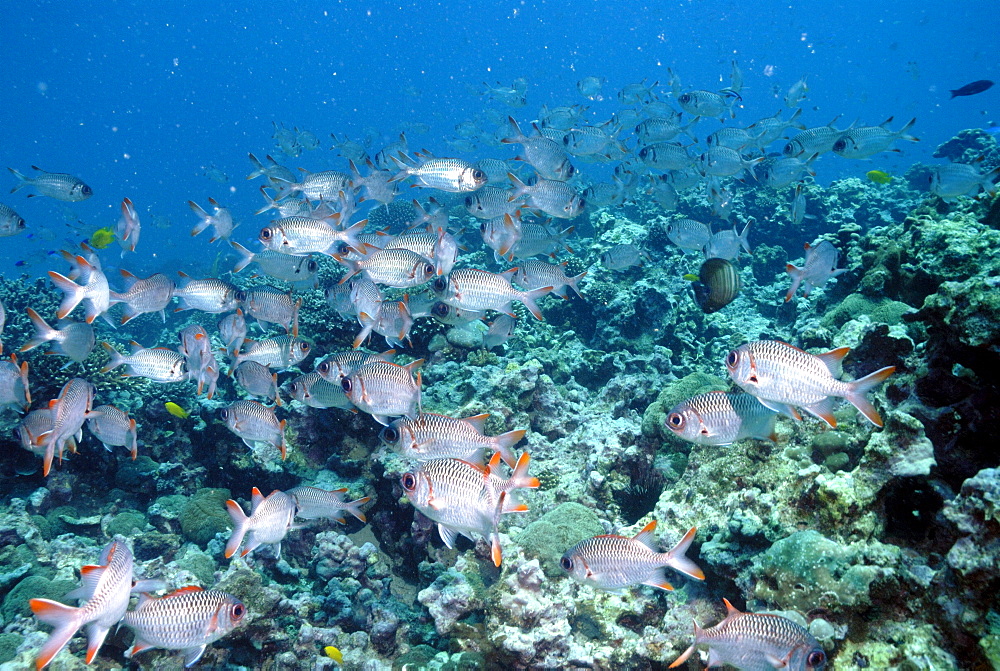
(70, 409)
(255, 423)
(270, 519)
(149, 294)
(113, 427)
(721, 418)
(757, 642)
(272, 306)
(394, 267)
(433, 436)
(280, 352)
(208, 295)
(301, 236)
(338, 366)
(188, 620)
(453, 175)
(158, 364)
(314, 391)
(475, 289)
(384, 389)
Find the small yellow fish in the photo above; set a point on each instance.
(690, 278)
(102, 237)
(334, 654)
(176, 410)
(879, 176)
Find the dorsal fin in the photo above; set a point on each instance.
(833, 360)
(645, 536)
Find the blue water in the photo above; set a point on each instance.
(139, 99)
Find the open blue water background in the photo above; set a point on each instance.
(138, 99)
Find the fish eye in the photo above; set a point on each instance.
(566, 563)
(409, 482)
(323, 368)
(583, 203)
(732, 359)
(468, 201)
(389, 435)
(478, 175)
(240, 295)
(686, 98)
(482, 228)
(570, 170)
(266, 233)
(440, 309)
(20, 223)
(429, 269)
(676, 420)
(238, 610)
(312, 266)
(816, 659)
(304, 346)
(440, 284)
(87, 190)
(839, 145)
(224, 413)
(346, 385)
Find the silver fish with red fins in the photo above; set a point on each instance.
(432, 436)
(613, 562)
(186, 620)
(721, 418)
(820, 266)
(784, 377)
(475, 289)
(757, 642)
(270, 519)
(255, 423)
(315, 503)
(384, 389)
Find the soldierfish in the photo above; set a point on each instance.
(270, 519)
(432, 436)
(721, 418)
(820, 266)
(58, 185)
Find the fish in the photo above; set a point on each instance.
(36, 423)
(535, 273)
(397, 268)
(257, 380)
(270, 305)
(870, 140)
(613, 562)
(94, 293)
(314, 503)
(624, 256)
(377, 185)
(102, 237)
(199, 358)
(432, 436)
(972, 89)
(451, 315)
(187, 619)
(392, 320)
(541, 239)
(771, 128)
(11, 223)
(255, 423)
(316, 392)
(796, 93)
(438, 246)
(210, 295)
(781, 172)
(465, 498)
(158, 364)
(176, 410)
(552, 197)
(587, 140)
(499, 332)
(221, 220)
(491, 201)
(72, 339)
(452, 175)
(277, 265)
(721, 161)
(336, 367)
(69, 411)
(726, 244)
(513, 96)
(334, 653)
(688, 234)
(315, 186)
(948, 182)
(57, 185)
(113, 427)
(384, 389)
(301, 236)
(663, 129)
(105, 593)
(475, 289)
(15, 391)
(128, 227)
(757, 642)
(709, 103)
(820, 266)
(665, 156)
(270, 519)
(546, 156)
(604, 194)
(279, 352)
(783, 377)
(637, 92)
(721, 418)
(150, 294)
(233, 331)
(563, 117)
(817, 140)
(273, 170)
(590, 87)
(501, 234)
(717, 286)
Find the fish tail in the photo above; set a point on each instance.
(116, 358)
(677, 560)
(519, 478)
(744, 237)
(22, 181)
(903, 135)
(43, 332)
(529, 298)
(856, 395)
(204, 219)
(72, 293)
(505, 441)
(989, 182)
(240, 527)
(354, 507)
(519, 188)
(65, 619)
(246, 256)
(797, 275)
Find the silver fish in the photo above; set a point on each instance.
(72, 339)
(270, 305)
(624, 256)
(15, 392)
(452, 175)
(157, 364)
(314, 503)
(554, 198)
(722, 161)
(384, 389)
(432, 436)
(280, 352)
(150, 294)
(208, 295)
(665, 156)
(870, 140)
(781, 172)
(796, 93)
(475, 289)
(316, 392)
(95, 292)
(726, 244)
(721, 418)
(270, 519)
(545, 156)
(814, 140)
(948, 182)
(233, 330)
(493, 200)
(57, 185)
(257, 380)
(709, 103)
(820, 266)
(690, 235)
(221, 220)
(336, 367)
(534, 273)
(392, 320)
(255, 423)
(11, 223)
(398, 268)
(69, 410)
(128, 227)
(499, 332)
(301, 236)
(113, 427)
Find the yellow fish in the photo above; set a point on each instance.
(334, 654)
(690, 278)
(879, 176)
(102, 237)
(176, 410)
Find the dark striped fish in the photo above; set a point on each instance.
(384, 389)
(757, 642)
(255, 423)
(717, 286)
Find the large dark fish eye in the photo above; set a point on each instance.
(468, 201)
(87, 191)
(266, 233)
(440, 284)
(389, 435)
(676, 420)
(732, 359)
(583, 202)
(840, 145)
(304, 346)
(346, 384)
(224, 414)
(429, 269)
(816, 659)
(20, 223)
(567, 563)
(408, 481)
(482, 227)
(440, 310)
(323, 368)
(686, 98)
(643, 153)
(238, 611)
(478, 175)
(312, 266)
(240, 295)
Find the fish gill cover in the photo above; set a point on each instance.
(565, 242)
